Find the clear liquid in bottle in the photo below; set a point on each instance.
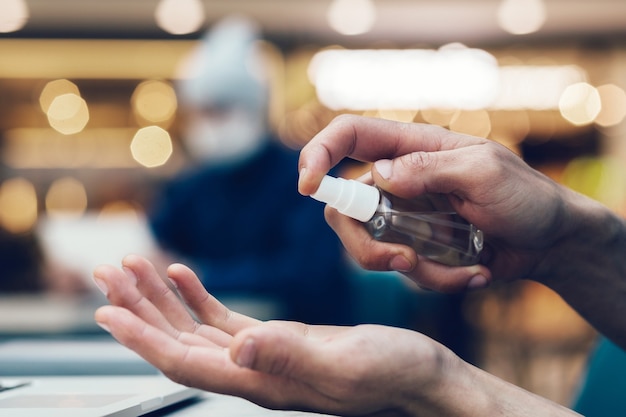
(427, 223)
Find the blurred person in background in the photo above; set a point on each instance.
(235, 213)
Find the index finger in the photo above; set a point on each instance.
(365, 139)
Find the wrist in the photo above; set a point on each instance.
(471, 392)
(588, 232)
(455, 388)
(468, 391)
(586, 265)
(452, 391)
(500, 398)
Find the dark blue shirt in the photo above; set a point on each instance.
(247, 230)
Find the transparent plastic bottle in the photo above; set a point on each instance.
(427, 223)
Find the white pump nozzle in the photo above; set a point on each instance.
(352, 198)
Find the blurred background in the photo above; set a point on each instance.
(90, 126)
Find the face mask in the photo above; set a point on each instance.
(228, 139)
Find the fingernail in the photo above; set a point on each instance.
(401, 264)
(384, 167)
(246, 355)
(301, 175)
(104, 326)
(174, 283)
(130, 274)
(102, 286)
(477, 282)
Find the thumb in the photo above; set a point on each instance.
(407, 175)
(275, 350)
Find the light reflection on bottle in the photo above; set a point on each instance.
(443, 236)
(427, 223)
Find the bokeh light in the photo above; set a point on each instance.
(601, 178)
(120, 208)
(151, 146)
(405, 116)
(18, 205)
(45, 148)
(56, 88)
(535, 87)
(613, 111)
(453, 76)
(521, 17)
(13, 15)
(474, 122)
(154, 102)
(510, 128)
(66, 197)
(351, 17)
(580, 104)
(68, 114)
(180, 17)
(440, 117)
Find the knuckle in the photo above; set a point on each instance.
(418, 161)
(494, 161)
(343, 119)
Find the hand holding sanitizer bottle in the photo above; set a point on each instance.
(427, 223)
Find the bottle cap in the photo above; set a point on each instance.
(352, 198)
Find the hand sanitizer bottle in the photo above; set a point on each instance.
(427, 223)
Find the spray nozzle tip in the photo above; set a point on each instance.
(352, 198)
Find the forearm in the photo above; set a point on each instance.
(471, 392)
(587, 266)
